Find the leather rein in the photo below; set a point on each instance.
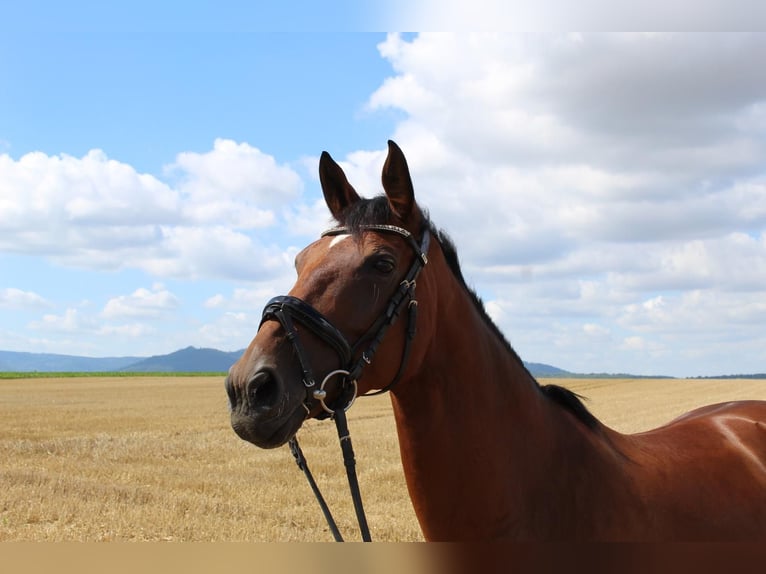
(288, 310)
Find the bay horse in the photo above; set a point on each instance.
(488, 453)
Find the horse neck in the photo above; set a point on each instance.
(465, 368)
(472, 423)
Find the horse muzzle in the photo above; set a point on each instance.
(262, 411)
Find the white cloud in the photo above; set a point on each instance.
(215, 251)
(215, 301)
(71, 321)
(554, 15)
(240, 315)
(307, 221)
(230, 331)
(495, 311)
(12, 298)
(56, 193)
(238, 170)
(234, 184)
(600, 187)
(706, 312)
(123, 319)
(95, 212)
(636, 343)
(606, 192)
(142, 302)
(596, 331)
(130, 330)
(246, 299)
(589, 89)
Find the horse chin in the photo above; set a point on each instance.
(269, 433)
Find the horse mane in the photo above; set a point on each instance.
(378, 211)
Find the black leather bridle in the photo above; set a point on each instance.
(289, 310)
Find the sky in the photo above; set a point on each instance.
(606, 192)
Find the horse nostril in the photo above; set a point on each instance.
(262, 390)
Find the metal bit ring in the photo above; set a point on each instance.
(320, 394)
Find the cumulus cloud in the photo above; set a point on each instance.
(214, 251)
(95, 212)
(238, 315)
(252, 299)
(586, 176)
(556, 16)
(215, 301)
(236, 169)
(234, 183)
(71, 321)
(129, 330)
(59, 191)
(241, 309)
(606, 192)
(142, 302)
(143, 322)
(12, 298)
(229, 331)
(614, 118)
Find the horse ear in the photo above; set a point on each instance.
(338, 192)
(397, 183)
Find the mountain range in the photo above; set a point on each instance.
(202, 360)
(188, 360)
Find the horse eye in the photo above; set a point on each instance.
(384, 265)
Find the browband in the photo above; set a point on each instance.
(420, 250)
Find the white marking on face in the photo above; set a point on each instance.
(337, 239)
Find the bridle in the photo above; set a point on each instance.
(289, 310)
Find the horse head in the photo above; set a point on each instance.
(336, 334)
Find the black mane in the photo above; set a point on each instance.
(378, 211)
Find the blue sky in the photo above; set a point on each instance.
(157, 176)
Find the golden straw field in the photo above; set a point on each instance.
(154, 458)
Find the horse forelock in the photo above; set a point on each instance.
(375, 211)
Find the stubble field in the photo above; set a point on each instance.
(154, 458)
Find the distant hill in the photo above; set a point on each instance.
(543, 370)
(617, 376)
(202, 360)
(753, 376)
(51, 362)
(189, 360)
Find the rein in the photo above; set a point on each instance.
(288, 310)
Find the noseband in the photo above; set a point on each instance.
(288, 310)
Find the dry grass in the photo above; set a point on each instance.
(155, 459)
(635, 405)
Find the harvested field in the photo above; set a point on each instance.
(154, 458)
